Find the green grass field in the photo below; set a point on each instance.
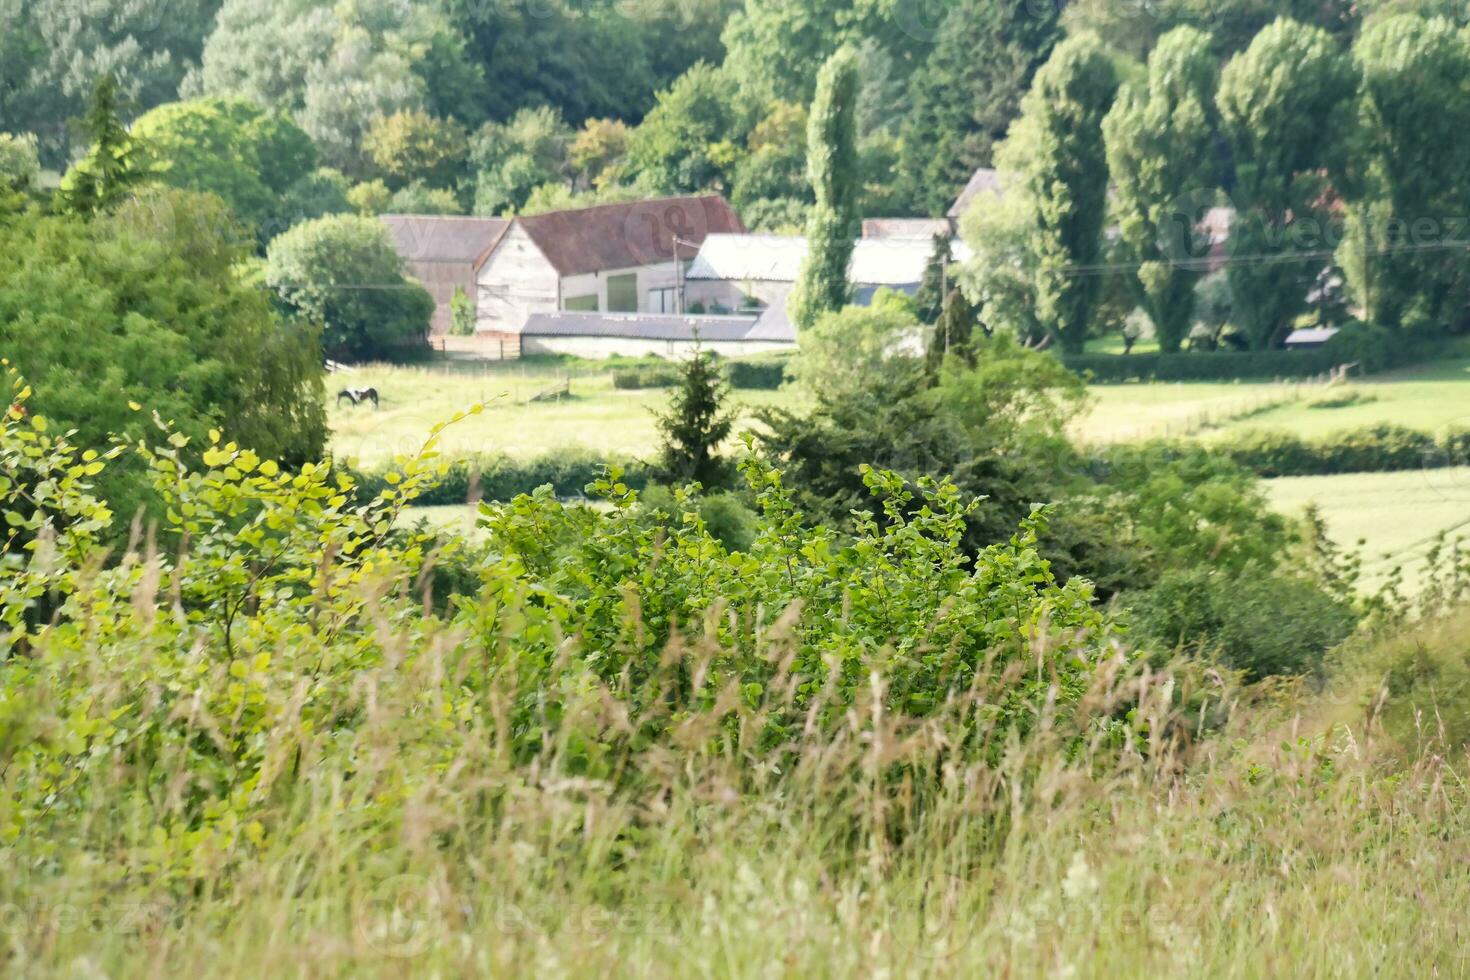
(413, 400)
(1393, 516)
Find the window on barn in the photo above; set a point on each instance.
(662, 300)
(580, 304)
(622, 293)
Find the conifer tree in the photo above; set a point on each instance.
(110, 170)
(695, 425)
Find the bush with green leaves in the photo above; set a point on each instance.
(343, 274)
(146, 305)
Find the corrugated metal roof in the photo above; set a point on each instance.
(1311, 335)
(892, 262)
(443, 238)
(654, 326)
(906, 227)
(628, 235)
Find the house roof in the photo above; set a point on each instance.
(628, 235)
(1310, 335)
(906, 227)
(652, 326)
(444, 238)
(986, 179)
(778, 258)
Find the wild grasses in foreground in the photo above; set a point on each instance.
(265, 743)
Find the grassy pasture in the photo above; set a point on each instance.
(596, 414)
(1395, 516)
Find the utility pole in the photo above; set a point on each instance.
(679, 272)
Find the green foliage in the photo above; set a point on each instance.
(963, 98)
(410, 145)
(847, 350)
(1262, 624)
(568, 473)
(1161, 160)
(19, 163)
(1204, 365)
(343, 274)
(1408, 194)
(1382, 448)
(513, 158)
(1279, 102)
(418, 197)
(146, 306)
(683, 144)
(1064, 181)
(822, 286)
(461, 314)
(231, 148)
(934, 288)
(695, 425)
(52, 52)
(775, 47)
(111, 168)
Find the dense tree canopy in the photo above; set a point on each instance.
(1280, 105)
(964, 97)
(1404, 253)
(145, 305)
(342, 273)
(1161, 158)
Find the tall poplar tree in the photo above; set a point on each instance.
(1161, 160)
(1064, 181)
(832, 166)
(1281, 107)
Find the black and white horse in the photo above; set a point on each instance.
(358, 395)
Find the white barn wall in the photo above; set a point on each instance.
(598, 348)
(515, 281)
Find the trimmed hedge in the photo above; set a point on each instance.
(1203, 366)
(757, 373)
(1382, 448)
(501, 478)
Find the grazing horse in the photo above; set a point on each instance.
(358, 395)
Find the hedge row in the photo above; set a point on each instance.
(498, 477)
(1203, 366)
(1381, 448)
(762, 373)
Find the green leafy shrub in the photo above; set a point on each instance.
(759, 373)
(661, 375)
(1202, 365)
(1383, 448)
(568, 472)
(1259, 622)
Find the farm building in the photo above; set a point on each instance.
(445, 254)
(615, 258)
(674, 336)
(756, 272)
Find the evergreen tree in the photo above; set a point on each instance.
(934, 286)
(1160, 157)
(963, 98)
(954, 331)
(695, 425)
(1280, 105)
(1064, 184)
(110, 170)
(832, 166)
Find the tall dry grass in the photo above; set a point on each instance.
(1300, 838)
